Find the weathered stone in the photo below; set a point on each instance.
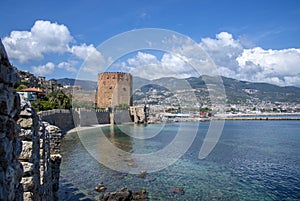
(10, 129)
(10, 167)
(28, 196)
(2, 187)
(25, 123)
(176, 190)
(10, 182)
(53, 129)
(140, 195)
(26, 153)
(100, 188)
(28, 184)
(28, 168)
(26, 113)
(6, 150)
(18, 172)
(17, 143)
(122, 195)
(16, 107)
(142, 174)
(25, 134)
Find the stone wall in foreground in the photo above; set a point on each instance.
(11, 170)
(29, 148)
(40, 155)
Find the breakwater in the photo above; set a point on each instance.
(262, 116)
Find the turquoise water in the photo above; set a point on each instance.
(253, 160)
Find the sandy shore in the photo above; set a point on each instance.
(76, 129)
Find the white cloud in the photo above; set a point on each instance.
(44, 70)
(93, 60)
(223, 50)
(280, 67)
(68, 66)
(44, 37)
(281, 63)
(232, 59)
(149, 66)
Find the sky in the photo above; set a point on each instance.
(255, 40)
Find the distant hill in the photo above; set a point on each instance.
(236, 91)
(85, 84)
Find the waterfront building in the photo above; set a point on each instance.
(114, 89)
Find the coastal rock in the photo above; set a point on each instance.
(122, 195)
(142, 174)
(176, 190)
(100, 188)
(140, 195)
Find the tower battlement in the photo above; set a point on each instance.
(114, 88)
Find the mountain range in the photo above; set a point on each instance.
(237, 91)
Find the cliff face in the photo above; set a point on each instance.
(29, 148)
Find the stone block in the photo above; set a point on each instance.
(28, 169)
(17, 144)
(26, 153)
(26, 113)
(25, 134)
(25, 122)
(6, 149)
(28, 196)
(10, 182)
(28, 184)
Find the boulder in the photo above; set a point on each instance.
(176, 190)
(122, 195)
(140, 195)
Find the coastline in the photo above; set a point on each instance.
(84, 128)
(258, 116)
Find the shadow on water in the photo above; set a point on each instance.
(67, 192)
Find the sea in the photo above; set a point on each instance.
(250, 160)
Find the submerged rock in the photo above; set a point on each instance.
(100, 188)
(142, 174)
(140, 195)
(176, 190)
(122, 195)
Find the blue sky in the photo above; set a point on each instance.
(249, 40)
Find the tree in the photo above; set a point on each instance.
(59, 100)
(20, 87)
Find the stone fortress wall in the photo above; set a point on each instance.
(29, 148)
(68, 119)
(11, 170)
(114, 88)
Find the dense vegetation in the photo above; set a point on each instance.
(55, 100)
